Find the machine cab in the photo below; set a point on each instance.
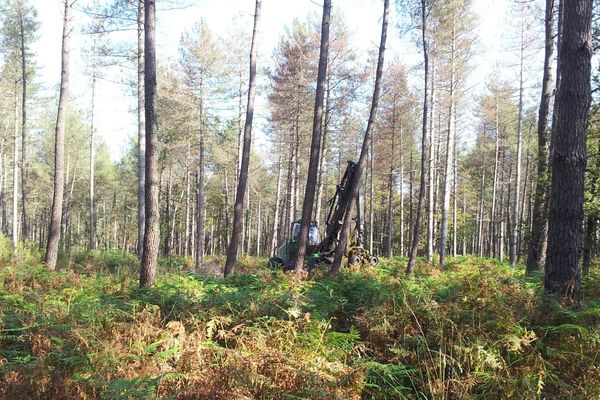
(286, 252)
(314, 236)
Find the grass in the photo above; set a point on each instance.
(477, 330)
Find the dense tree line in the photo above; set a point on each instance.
(445, 171)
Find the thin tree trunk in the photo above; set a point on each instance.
(323, 157)
(152, 206)
(2, 184)
(232, 251)
(412, 258)
(315, 146)
(455, 204)
(431, 174)
(401, 177)
(227, 204)
(355, 183)
(15, 200)
(480, 213)
(390, 207)
(167, 218)
(187, 238)
(275, 236)
(464, 215)
(492, 225)
(258, 230)
(536, 255)
(141, 209)
(24, 166)
(589, 242)
(59, 146)
(200, 195)
(91, 212)
(371, 194)
(449, 156)
(526, 178)
(411, 185)
(515, 214)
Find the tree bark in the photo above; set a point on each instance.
(355, 183)
(589, 241)
(15, 200)
(412, 257)
(390, 205)
(24, 167)
(371, 194)
(315, 145)
(492, 225)
(431, 174)
(91, 212)
(275, 236)
(324, 148)
(536, 255)
(59, 145)
(152, 205)
(572, 105)
(455, 200)
(401, 190)
(200, 195)
(480, 213)
(167, 217)
(515, 214)
(258, 229)
(141, 209)
(232, 251)
(449, 155)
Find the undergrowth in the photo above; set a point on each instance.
(477, 330)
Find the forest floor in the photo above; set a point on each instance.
(476, 330)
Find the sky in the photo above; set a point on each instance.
(115, 116)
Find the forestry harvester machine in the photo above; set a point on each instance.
(322, 251)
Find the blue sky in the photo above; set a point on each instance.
(114, 117)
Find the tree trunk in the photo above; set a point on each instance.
(431, 174)
(232, 251)
(152, 206)
(275, 236)
(167, 217)
(589, 241)
(455, 201)
(15, 200)
(24, 167)
(449, 155)
(2, 185)
(411, 185)
(315, 145)
(371, 194)
(200, 195)
(536, 255)
(323, 158)
(141, 209)
(59, 146)
(187, 239)
(401, 191)
(390, 205)
(480, 222)
(573, 98)
(492, 225)
(91, 212)
(412, 257)
(355, 183)
(258, 229)
(515, 214)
